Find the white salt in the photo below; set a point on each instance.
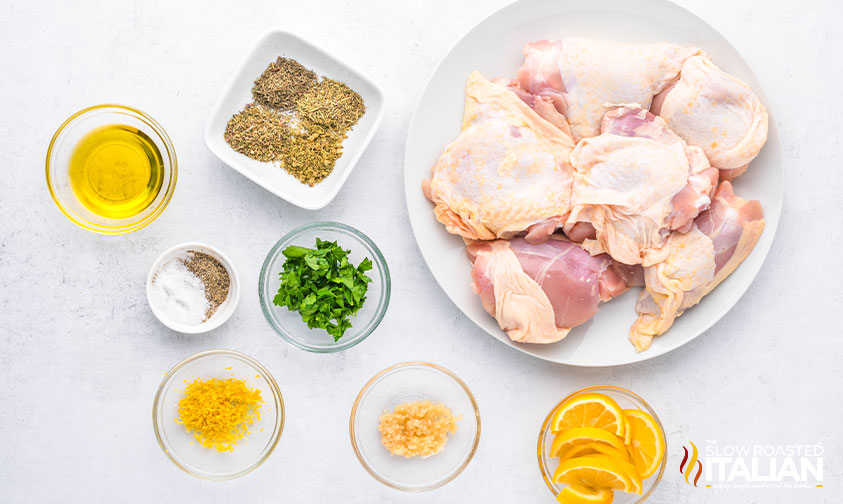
(178, 294)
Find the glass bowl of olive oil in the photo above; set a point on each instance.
(111, 169)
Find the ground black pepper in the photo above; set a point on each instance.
(213, 274)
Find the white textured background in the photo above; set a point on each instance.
(81, 355)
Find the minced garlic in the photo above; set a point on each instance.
(219, 412)
(417, 428)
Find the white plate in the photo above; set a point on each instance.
(494, 48)
(268, 175)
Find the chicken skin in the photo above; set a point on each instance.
(721, 238)
(714, 111)
(635, 183)
(507, 172)
(584, 76)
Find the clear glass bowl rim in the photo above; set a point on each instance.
(611, 389)
(341, 345)
(365, 390)
(171, 156)
(276, 395)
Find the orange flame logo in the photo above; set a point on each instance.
(687, 466)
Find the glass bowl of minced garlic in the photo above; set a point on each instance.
(415, 426)
(218, 414)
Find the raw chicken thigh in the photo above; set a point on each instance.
(711, 109)
(507, 172)
(583, 76)
(620, 145)
(635, 183)
(721, 238)
(538, 292)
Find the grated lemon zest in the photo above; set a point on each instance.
(219, 412)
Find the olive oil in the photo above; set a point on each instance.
(116, 171)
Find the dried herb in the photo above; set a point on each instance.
(282, 83)
(257, 132)
(332, 105)
(213, 275)
(296, 119)
(310, 155)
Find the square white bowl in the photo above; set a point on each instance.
(271, 176)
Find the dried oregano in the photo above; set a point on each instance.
(257, 132)
(282, 83)
(332, 105)
(310, 154)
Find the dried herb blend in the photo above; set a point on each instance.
(310, 155)
(296, 120)
(332, 105)
(213, 275)
(257, 132)
(282, 83)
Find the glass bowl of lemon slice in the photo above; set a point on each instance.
(602, 445)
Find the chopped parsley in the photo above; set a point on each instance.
(323, 286)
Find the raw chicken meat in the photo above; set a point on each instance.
(635, 183)
(538, 292)
(711, 109)
(657, 126)
(721, 238)
(581, 76)
(543, 105)
(507, 172)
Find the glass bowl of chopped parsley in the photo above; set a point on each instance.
(324, 287)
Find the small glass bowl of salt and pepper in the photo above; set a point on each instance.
(192, 288)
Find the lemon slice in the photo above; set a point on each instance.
(634, 478)
(576, 494)
(589, 410)
(584, 435)
(597, 471)
(593, 449)
(627, 431)
(647, 448)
